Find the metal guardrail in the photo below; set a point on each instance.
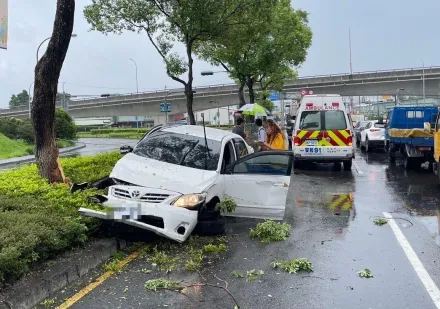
(218, 88)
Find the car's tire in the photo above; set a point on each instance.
(347, 165)
(367, 145)
(208, 214)
(211, 227)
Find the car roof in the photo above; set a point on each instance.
(211, 133)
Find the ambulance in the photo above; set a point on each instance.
(323, 131)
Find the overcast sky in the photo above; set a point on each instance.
(385, 35)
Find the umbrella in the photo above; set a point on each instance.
(253, 110)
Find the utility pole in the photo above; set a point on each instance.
(424, 81)
(349, 45)
(166, 106)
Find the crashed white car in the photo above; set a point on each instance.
(170, 182)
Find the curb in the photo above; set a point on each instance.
(27, 159)
(69, 267)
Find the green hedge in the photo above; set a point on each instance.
(107, 131)
(39, 220)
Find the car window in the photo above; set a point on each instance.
(368, 125)
(335, 120)
(182, 149)
(240, 149)
(310, 120)
(266, 164)
(358, 125)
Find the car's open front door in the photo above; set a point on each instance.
(259, 183)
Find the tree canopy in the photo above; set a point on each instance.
(21, 99)
(264, 53)
(165, 22)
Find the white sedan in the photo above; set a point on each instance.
(174, 177)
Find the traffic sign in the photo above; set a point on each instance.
(274, 96)
(165, 107)
(307, 92)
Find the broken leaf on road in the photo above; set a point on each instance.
(155, 284)
(380, 221)
(293, 266)
(270, 231)
(366, 273)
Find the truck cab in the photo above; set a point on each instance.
(406, 135)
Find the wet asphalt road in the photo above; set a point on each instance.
(338, 242)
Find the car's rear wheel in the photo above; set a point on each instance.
(211, 227)
(347, 165)
(367, 145)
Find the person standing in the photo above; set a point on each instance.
(239, 128)
(261, 131)
(275, 139)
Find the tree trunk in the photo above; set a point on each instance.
(47, 73)
(188, 88)
(241, 98)
(250, 85)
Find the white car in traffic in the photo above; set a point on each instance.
(171, 181)
(373, 135)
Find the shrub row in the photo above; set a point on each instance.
(38, 219)
(125, 130)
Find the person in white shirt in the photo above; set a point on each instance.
(261, 131)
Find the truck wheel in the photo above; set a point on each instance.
(347, 165)
(392, 157)
(211, 227)
(407, 162)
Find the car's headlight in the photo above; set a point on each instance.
(190, 201)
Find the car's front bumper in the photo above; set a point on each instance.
(174, 222)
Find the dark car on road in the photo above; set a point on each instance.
(357, 130)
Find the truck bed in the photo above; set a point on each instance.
(415, 137)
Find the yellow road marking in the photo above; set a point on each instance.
(72, 300)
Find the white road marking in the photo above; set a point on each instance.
(423, 275)
(358, 170)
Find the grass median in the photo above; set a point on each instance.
(39, 220)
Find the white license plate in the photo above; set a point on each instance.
(311, 142)
(313, 150)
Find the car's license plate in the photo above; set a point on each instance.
(311, 142)
(313, 150)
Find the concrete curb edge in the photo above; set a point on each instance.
(27, 159)
(69, 267)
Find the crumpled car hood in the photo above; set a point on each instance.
(161, 175)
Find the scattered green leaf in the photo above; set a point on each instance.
(294, 265)
(365, 273)
(163, 261)
(237, 274)
(253, 274)
(48, 302)
(228, 205)
(380, 221)
(270, 231)
(155, 284)
(113, 263)
(195, 262)
(215, 248)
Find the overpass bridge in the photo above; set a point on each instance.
(385, 82)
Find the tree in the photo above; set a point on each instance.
(264, 101)
(21, 99)
(189, 22)
(267, 52)
(47, 73)
(65, 127)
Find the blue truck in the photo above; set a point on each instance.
(407, 137)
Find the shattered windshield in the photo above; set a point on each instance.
(180, 149)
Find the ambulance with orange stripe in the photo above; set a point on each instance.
(323, 131)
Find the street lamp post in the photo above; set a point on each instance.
(137, 87)
(74, 35)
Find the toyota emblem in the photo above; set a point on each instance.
(135, 194)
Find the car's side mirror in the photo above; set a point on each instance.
(427, 127)
(125, 149)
